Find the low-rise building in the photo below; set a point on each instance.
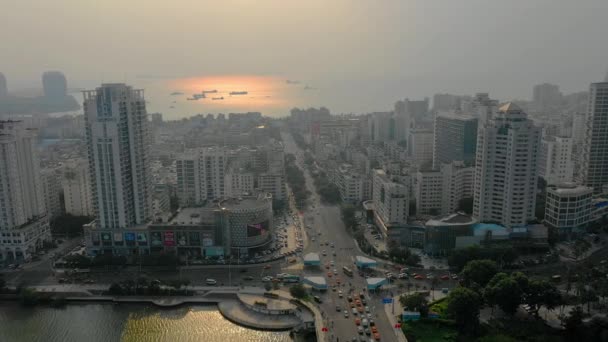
(568, 207)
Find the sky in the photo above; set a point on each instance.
(351, 56)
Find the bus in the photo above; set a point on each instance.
(291, 279)
(347, 271)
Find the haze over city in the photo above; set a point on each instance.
(304, 171)
(355, 57)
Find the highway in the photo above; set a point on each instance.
(327, 226)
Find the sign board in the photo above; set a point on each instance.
(387, 300)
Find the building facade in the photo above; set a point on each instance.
(76, 185)
(24, 224)
(568, 208)
(51, 189)
(556, 165)
(455, 139)
(506, 168)
(118, 143)
(594, 164)
(421, 146)
(391, 201)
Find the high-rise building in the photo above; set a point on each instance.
(117, 135)
(480, 106)
(201, 175)
(24, 224)
(54, 85)
(76, 184)
(594, 160)
(421, 146)
(506, 168)
(51, 189)
(3, 86)
(391, 201)
(556, 165)
(439, 192)
(455, 138)
(546, 94)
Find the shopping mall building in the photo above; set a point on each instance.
(235, 226)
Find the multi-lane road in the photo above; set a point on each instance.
(326, 226)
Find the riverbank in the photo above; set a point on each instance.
(252, 309)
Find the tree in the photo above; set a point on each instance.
(434, 283)
(463, 307)
(479, 272)
(505, 292)
(587, 295)
(415, 301)
(541, 293)
(574, 320)
(298, 291)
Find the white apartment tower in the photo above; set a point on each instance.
(391, 201)
(118, 142)
(201, 175)
(556, 165)
(506, 168)
(594, 163)
(23, 220)
(76, 186)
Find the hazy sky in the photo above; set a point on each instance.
(359, 55)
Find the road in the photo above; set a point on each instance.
(327, 225)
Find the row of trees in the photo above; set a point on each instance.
(297, 182)
(143, 286)
(69, 225)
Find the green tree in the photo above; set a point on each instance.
(479, 272)
(541, 293)
(463, 307)
(298, 291)
(574, 320)
(415, 301)
(2, 283)
(504, 292)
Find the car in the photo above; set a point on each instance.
(340, 294)
(12, 266)
(317, 299)
(374, 329)
(357, 321)
(338, 281)
(358, 302)
(210, 282)
(364, 301)
(361, 295)
(349, 299)
(335, 271)
(327, 266)
(352, 305)
(329, 274)
(367, 331)
(267, 279)
(324, 253)
(332, 263)
(346, 314)
(354, 311)
(377, 336)
(365, 322)
(445, 277)
(419, 277)
(402, 276)
(338, 308)
(367, 309)
(360, 330)
(360, 309)
(89, 281)
(267, 267)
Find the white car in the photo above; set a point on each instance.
(324, 253)
(340, 294)
(211, 282)
(332, 263)
(267, 278)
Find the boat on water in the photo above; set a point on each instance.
(238, 93)
(217, 98)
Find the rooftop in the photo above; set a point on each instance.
(454, 219)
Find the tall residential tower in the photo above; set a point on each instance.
(117, 135)
(506, 168)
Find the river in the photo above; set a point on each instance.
(108, 322)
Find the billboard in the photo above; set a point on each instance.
(169, 238)
(257, 229)
(142, 240)
(155, 238)
(106, 238)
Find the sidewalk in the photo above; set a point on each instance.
(392, 318)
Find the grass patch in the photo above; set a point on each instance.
(440, 306)
(429, 331)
